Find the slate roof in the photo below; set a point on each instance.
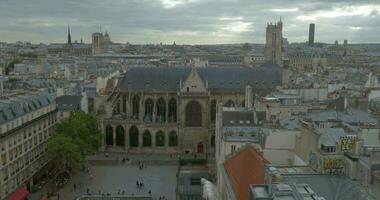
(351, 116)
(218, 78)
(22, 104)
(68, 103)
(330, 186)
(330, 136)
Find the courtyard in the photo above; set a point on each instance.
(114, 177)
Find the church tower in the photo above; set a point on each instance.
(68, 35)
(273, 45)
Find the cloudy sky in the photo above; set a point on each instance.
(188, 21)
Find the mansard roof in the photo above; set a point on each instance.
(167, 79)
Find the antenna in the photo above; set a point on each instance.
(100, 28)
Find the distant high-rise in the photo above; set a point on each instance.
(311, 34)
(273, 45)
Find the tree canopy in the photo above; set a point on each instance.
(74, 138)
(11, 65)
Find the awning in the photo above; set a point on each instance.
(19, 194)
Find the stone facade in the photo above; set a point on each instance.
(175, 113)
(273, 44)
(23, 140)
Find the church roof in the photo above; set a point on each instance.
(217, 78)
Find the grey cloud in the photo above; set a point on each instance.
(148, 21)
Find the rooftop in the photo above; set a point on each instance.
(245, 168)
(169, 78)
(285, 192)
(329, 186)
(17, 105)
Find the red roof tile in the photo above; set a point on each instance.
(245, 168)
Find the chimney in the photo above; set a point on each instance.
(248, 97)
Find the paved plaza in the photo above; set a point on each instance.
(114, 178)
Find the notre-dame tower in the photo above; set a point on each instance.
(273, 45)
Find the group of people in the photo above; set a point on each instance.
(142, 165)
(89, 173)
(123, 160)
(139, 185)
(75, 186)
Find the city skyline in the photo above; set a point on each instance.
(188, 21)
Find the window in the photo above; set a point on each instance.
(172, 110)
(229, 103)
(136, 106)
(213, 110)
(147, 139)
(233, 148)
(149, 110)
(161, 110)
(193, 114)
(195, 181)
(173, 139)
(160, 139)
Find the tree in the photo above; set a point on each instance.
(11, 65)
(65, 149)
(74, 138)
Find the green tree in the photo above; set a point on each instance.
(79, 133)
(11, 65)
(66, 151)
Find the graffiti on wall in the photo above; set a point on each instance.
(333, 163)
(347, 143)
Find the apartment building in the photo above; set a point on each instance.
(26, 122)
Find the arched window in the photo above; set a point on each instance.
(147, 139)
(160, 139)
(120, 136)
(173, 139)
(213, 110)
(136, 106)
(161, 110)
(193, 114)
(149, 110)
(133, 137)
(172, 110)
(242, 103)
(109, 135)
(229, 103)
(213, 141)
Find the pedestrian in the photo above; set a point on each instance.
(75, 186)
(88, 191)
(150, 193)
